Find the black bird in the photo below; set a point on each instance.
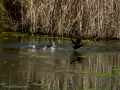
(77, 44)
(52, 46)
(49, 45)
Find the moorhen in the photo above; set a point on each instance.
(77, 43)
(52, 46)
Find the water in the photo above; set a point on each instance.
(25, 65)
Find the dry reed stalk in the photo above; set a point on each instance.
(68, 17)
(8, 17)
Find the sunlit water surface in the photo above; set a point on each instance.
(25, 65)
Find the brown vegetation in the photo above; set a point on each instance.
(86, 18)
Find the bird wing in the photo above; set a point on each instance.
(79, 41)
(73, 42)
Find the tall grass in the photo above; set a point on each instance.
(89, 18)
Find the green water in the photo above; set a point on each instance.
(96, 66)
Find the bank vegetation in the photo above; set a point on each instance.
(85, 18)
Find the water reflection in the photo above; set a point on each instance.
(76, 57)
(61, 68)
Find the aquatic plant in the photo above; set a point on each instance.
(12, 34)
(2, 83)
(21, 56)
(38, 84)
(117, 70)
(42, 56)
(82, 56)
(84, 72)
(25, 53)
(104, 62)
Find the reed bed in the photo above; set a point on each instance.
(89, 18)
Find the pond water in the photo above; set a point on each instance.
(25, 65)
